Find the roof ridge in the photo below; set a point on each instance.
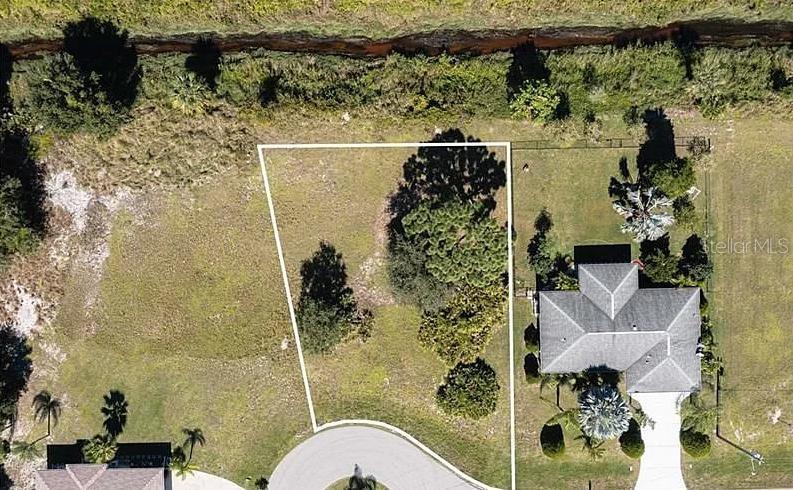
(560, 310)
(654, 367)
(682, 308)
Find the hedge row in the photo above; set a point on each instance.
(588, 81)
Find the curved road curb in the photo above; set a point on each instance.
(397, 459)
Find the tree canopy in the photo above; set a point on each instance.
(603, 413)
(462, 246)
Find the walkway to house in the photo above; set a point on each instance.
(331, 455)
(660, 464)
(199, 480)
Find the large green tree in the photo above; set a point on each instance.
(464, 246)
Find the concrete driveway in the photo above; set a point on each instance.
(331, 455)
(660, 464)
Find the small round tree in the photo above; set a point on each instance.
(695, 444)
(552, 441)
(631, 441)
(470, 390)
(531, 367)
(603, 413)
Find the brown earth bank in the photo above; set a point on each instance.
(729, 33)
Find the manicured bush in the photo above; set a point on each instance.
(552, 441)
(695, 444)
(470, 390)
(531, 367)
(631, 441)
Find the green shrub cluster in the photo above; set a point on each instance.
(695, 444)
(552, 441)
(631, 441)
(469, 390)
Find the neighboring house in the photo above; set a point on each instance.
(651, 334)
(136, 466)
(100, 477)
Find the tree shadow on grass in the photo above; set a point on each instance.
(115, 412)
(204, 61)
(324, 276)
(528, 63)
(467, 174)
(100, 47)
(660, 144)
(15, 369)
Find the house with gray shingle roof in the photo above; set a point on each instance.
(650, 334)
(100, 477)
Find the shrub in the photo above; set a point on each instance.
(552, 441)
(531, 338)
(92, 85)
(5, 450)
(16, 236)
(673, 177)
(460, 331)
(631, 441)
(470, 390)
(685, 213)
(695, 444)
(531, 367)
(537, 101)
(694, 263)
(661, 267)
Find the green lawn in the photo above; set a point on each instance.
(753, 298)
(19, 18)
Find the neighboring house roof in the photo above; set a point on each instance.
(651, 334)
(100, 477)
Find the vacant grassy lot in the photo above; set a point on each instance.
(753, 296)
(368, 17)
(341, 196)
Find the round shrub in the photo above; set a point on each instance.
(531, 366)
(552, 441)
(695, 444)
(470, 390)
(631, 441)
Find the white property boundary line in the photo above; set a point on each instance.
(290, 304)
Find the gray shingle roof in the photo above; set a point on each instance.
(651, 334)
(100, 477)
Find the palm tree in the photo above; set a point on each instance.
(100, 450)
(646, 212)
(603, 413)
(47, 407)
(26, 451)
(180, 464)
(359, 482)
(193, 437)
(115, 412)
(592, 446)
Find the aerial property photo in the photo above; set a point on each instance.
(415, 245)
